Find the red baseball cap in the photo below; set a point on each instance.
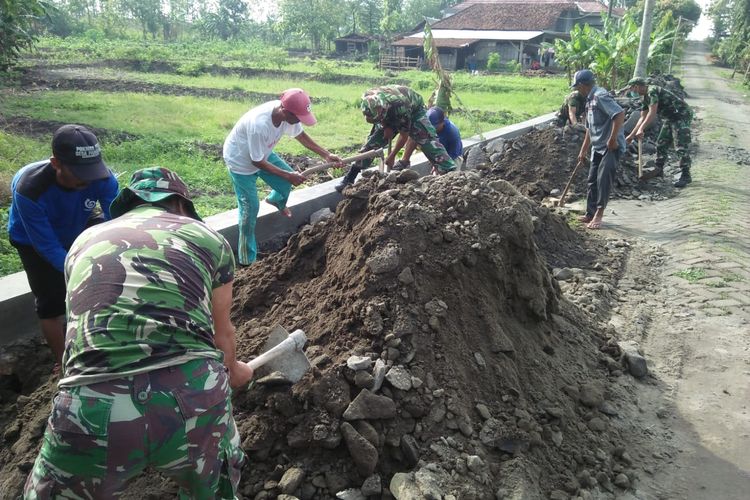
(297, 101)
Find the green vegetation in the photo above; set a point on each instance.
(691, 274)
(725, 280)
(142, 123)
(611, 52)
(17, 18)
(731, 36)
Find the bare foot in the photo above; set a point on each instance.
(585, 219)
(284, 211)
(595, 224)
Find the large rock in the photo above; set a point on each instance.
(410, 449)
(399, 378)
(370, 406)
(357, 363)
(378, 375)
(372, 486)
(633, 360)
(291, 480)
(384, 260)
(423, 484)
(319, 215)
(363, 453)
(591, 395)
(350, 494)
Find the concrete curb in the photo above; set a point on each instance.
(272, 230)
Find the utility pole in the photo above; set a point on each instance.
(609, 8)
(641, 63)
(674, 40)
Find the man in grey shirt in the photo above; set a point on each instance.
(604, 134)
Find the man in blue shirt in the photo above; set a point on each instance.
(448, 135)
(605, 137)
(53, 202)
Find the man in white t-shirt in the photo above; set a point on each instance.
(248, 154)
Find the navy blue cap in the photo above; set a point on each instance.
(78, 149)
(435, 115)
(583, 76)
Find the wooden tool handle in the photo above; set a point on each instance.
(640, 159)
(362, 156)
(567, 186)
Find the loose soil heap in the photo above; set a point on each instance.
(446, 363)
(540, 162)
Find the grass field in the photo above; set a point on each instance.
(167, 113)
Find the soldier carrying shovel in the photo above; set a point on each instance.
(149, 353)
(677, 117)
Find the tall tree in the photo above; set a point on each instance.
(642, 61)
(732, 34)
(147, 13)
(16, 21)
(390, 22)
(227, 22)
(317, 20)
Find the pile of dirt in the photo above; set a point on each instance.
(445, 359)
(540, 163)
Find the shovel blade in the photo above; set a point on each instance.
(292, 365)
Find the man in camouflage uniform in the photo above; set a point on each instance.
(677, 117)
(572, 110)
(398, 109)
(149, 353)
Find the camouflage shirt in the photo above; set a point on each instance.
(139, 295)
(670, 106)
(393, 106)
(578, 101)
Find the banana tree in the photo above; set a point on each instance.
(441, 96)
(614, 50)
(662, 40)
(443, 92)
(574, 54)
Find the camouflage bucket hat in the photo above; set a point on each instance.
(372, 105)
(151, 185)
(637, 81)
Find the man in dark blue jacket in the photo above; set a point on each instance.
(53, 202)
(447, 134)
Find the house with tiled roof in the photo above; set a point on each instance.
(514, 29)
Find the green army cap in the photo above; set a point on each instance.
(637, 81)
(151, 185)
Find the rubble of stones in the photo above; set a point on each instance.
(530, 151)
(423, 403)
(461, 364)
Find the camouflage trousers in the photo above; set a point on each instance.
(177, 420)
(671, 130)
(424, 134)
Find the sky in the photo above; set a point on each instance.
(703, 29)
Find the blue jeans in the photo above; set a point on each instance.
(246, 189)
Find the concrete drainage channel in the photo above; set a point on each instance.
(272, 230)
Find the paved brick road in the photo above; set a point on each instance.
(698, 342)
